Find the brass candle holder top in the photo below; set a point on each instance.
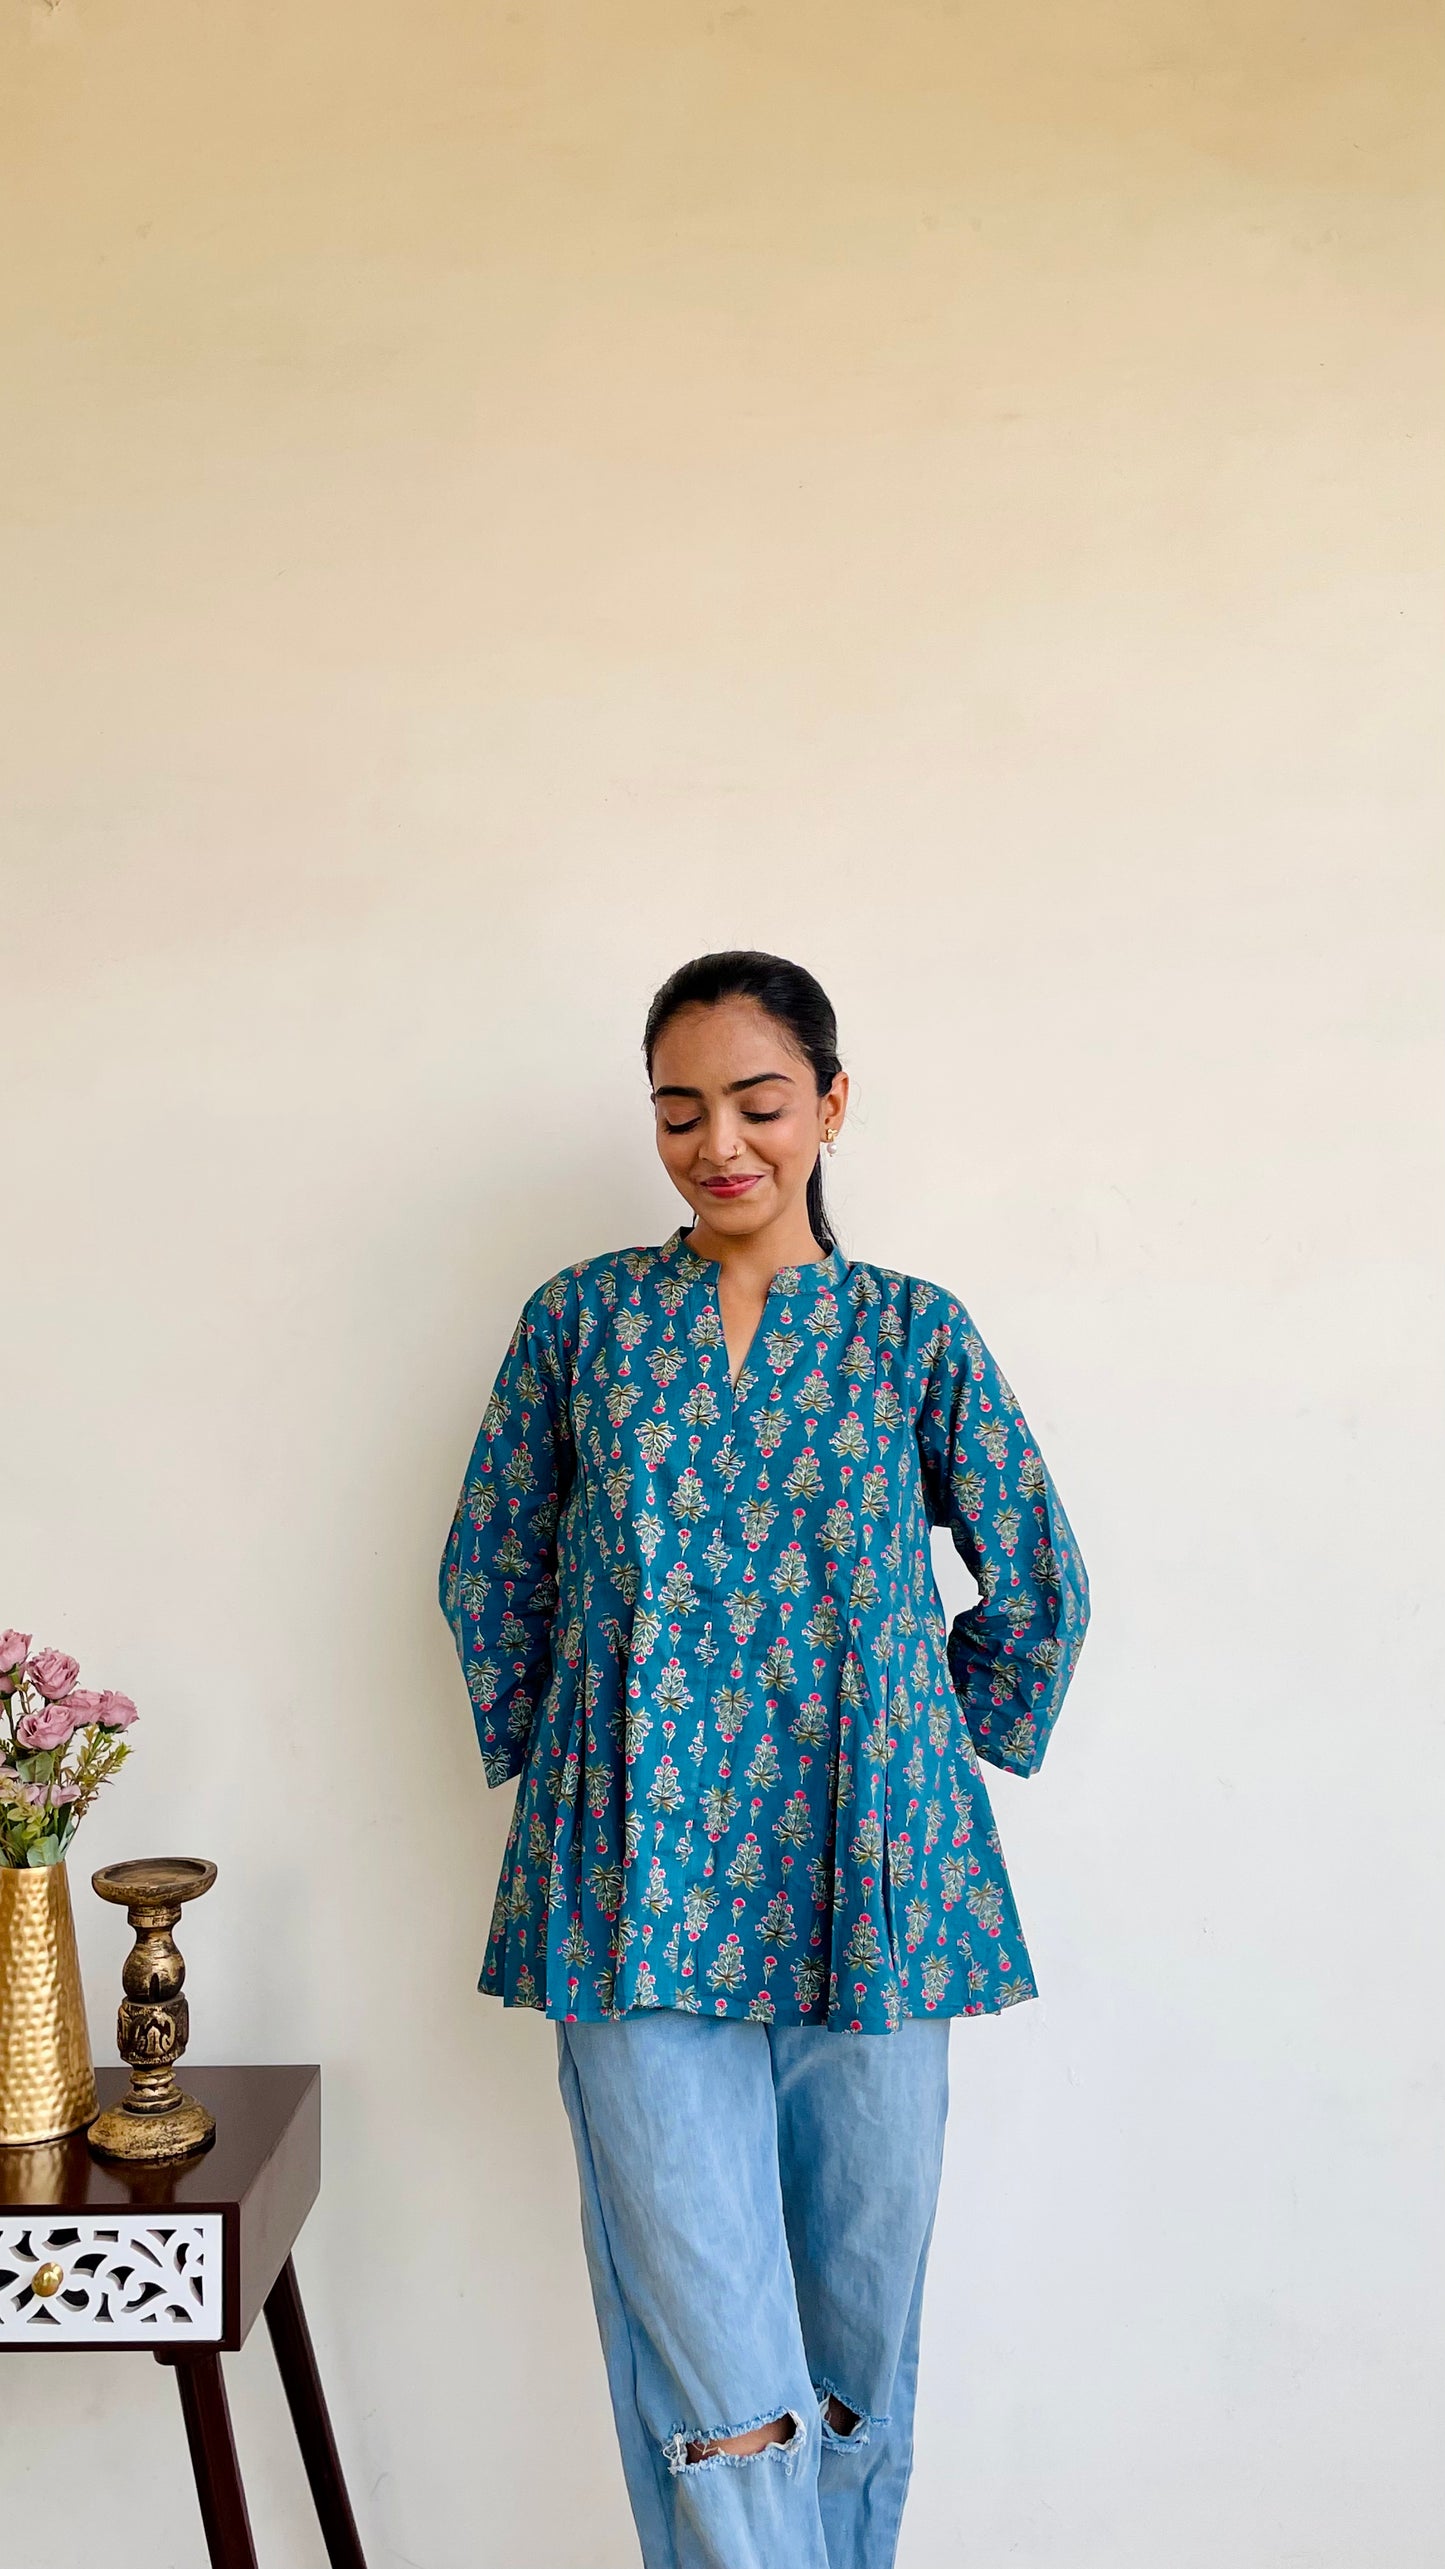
(154, 1881)
(154, 2119)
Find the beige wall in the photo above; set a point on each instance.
(496, 499)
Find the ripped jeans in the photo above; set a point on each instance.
(757, 2205)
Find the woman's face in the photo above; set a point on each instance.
(739, 1118)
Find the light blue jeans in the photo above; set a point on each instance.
(757, 2205)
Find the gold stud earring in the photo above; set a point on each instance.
(829, 1144)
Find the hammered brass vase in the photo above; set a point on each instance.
(47, 2079)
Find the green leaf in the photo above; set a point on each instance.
(47, 1852)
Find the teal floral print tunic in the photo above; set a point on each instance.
(699, 1621)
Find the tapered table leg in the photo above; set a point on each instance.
(213, 2459)
(296, 2363)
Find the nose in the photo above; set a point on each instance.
(723, 1140)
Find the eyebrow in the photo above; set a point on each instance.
(734, 1087)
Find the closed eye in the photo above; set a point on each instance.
(694, 1120)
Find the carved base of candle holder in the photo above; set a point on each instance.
(154, 2120)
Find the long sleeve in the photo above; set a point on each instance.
(1012, 1655)
(498, 1583)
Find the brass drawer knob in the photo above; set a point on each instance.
(47, 2280)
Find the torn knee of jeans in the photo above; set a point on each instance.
(705, 2448)
(842, 2423)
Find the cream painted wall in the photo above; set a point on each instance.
(497, 499)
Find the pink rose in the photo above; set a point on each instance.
(52, 1673)
(116, 1712)
(13, 1647)
(49, 1728)
(83, 1705)
(64, 1793)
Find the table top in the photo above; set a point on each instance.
(254, 2108)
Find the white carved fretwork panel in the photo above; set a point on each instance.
(121, 2281)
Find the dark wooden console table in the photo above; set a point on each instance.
(176, 2262)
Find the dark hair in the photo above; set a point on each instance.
(784, 991)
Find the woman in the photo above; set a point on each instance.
(690, 1585)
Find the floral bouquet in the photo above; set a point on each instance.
(59, 1743)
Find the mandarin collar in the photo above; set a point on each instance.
(691, 1269)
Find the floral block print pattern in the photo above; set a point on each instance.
(700, 1623)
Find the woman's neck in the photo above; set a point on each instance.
(755, 1259)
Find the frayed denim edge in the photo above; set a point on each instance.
(674, 2451)
(860, 2435)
